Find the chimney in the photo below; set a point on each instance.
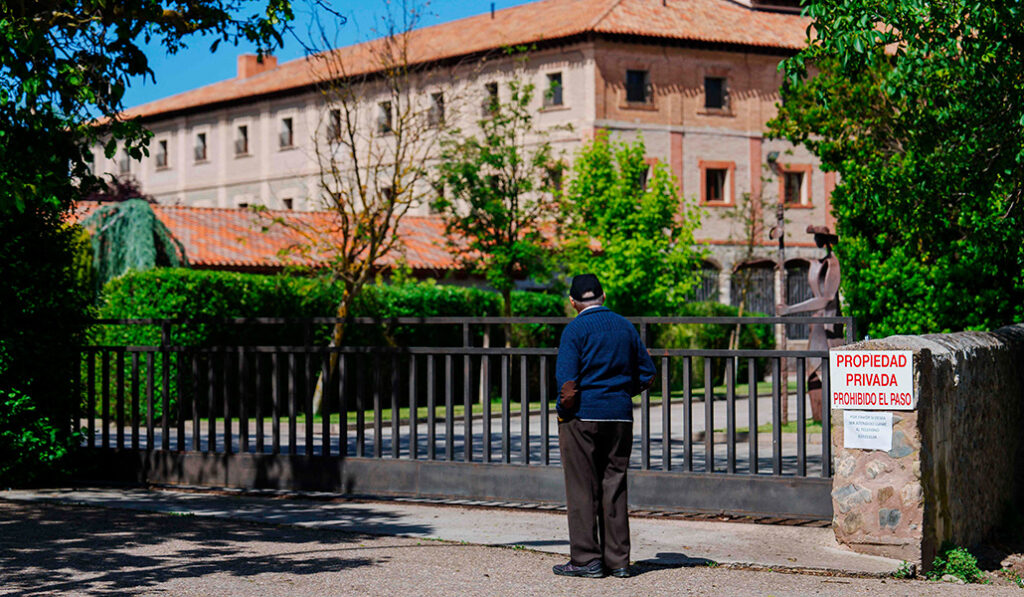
(250, 64)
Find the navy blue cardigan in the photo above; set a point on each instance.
(603, 354)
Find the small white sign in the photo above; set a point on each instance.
(867, 430)
(872, 379)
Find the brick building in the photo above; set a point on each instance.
(698, 79)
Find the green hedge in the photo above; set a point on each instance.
(170, 293)
(712, 336)
(182, 293)
(174, 293)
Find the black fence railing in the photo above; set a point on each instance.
(711, 411)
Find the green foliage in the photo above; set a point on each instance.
(198, 294)
(711, 336)
(919, 107)
(1013, 577)
(43, 300)
(129, 236)
(647, 262)
(66, 66)
(958, 562)
(536, 304)
(906, 570)
(30, 446)
(497, 198)
(174, 293)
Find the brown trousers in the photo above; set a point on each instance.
(595, 455)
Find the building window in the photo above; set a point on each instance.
(242, 140)
(288, 203)
(638, 87)
(124, 163)
(795, 185)
(200, 149)
(645, 176)
(287, 136)
(384, 122)
(490, 103)
(555, 179)
(553, 95)
(435, 116)
(754, 286)
(707, 289)
(798, 289)
(716, 94)
(716, 182)
(161, 153)
(334, 126)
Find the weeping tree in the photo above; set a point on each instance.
(128, 235)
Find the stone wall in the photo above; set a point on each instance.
(956, 461)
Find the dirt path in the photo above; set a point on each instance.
(75, 550)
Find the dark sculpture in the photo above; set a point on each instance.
(823, 278)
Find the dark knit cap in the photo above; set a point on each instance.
(585, 287)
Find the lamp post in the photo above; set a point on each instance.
(778, 232)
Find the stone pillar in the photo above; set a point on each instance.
(877, 499)
(957, 461)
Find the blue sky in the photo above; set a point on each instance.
(196, 66)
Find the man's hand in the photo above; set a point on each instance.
(570, 395)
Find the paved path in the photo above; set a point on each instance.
(665, 541)
(50, 549)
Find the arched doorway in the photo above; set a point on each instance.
(754, 285)
(706, 289)
(797, 290)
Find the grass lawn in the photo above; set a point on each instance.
(764, 388)
(458, 411)
(515, 406)
(811, 427)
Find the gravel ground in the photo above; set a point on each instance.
(73, 550)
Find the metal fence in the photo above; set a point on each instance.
(465, 420)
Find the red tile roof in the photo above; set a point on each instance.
(222, 238)
(710, 21)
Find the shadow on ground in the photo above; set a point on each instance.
(56, 549)
(664, 560)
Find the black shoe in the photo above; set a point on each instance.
(622, 572)
(594, 569)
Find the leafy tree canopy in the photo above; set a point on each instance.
(128, 236)
(627, 223)
(498, 194)
(64, 68)
(919, 106)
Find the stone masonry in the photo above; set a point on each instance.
(955, 462)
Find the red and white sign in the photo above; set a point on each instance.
(872, 379)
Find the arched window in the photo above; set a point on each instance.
(797, 290)
(707, 287)
(754, 285)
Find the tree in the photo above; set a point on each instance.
(64, 66)
(498, 193)
(375, 137)
(918, 106)
(631, 212)
(128, 235)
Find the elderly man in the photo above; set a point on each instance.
(602, 364)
